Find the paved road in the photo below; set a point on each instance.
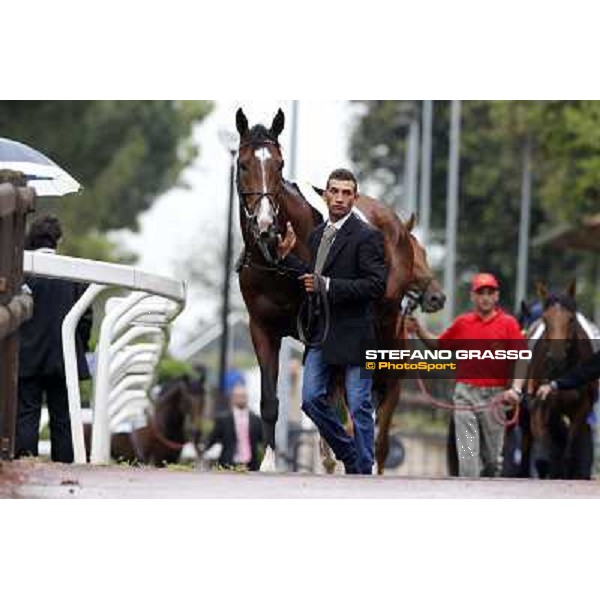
(32, 479)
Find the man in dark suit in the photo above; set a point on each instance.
(239, 430)
(41, 365)
(576, 377)
(348, 263)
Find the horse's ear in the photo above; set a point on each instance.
(278, 124)
(525, 312)
(241, 122)
(572, 288)
(411, 222)
(319, 190)
(542, 290)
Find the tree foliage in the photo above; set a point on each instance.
(124, 153)
(565, 142)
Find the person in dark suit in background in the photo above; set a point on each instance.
(239, 430)
(348, 265)
(41, 365)
(571, 380)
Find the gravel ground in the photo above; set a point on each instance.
(33, 479)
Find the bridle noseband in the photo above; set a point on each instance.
(414, 294)
(571, 349)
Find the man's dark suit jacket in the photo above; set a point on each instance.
(357, 271)
(224, 433)
(584, 373)
(40, 341)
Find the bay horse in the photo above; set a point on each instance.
(559, 440)
(175, 420)
(273, 297)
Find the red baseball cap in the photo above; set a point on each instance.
(483, 280)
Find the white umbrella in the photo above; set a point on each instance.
(44, 175)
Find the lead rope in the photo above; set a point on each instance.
(498, 405)
(316, 305)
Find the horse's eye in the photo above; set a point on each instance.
(243, 167)
(281, 165)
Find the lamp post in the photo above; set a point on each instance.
(229, 141)
(284, 385)
(452, 210)
(524, 221)
(425, 205)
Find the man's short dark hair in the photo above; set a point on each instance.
(343, 175)
(43, 233)
(17, 178)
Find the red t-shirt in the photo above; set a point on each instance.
(478, 331)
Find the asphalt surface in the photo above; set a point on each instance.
(36, 479)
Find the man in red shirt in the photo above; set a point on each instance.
(479, 434)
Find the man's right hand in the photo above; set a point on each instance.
(413, 327)
(286, 245)
(544, 391)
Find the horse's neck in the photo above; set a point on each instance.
(299, 212)
(585, 347)
(167, 416)
(407, 259)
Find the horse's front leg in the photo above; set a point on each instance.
(339, 398)
(266, 345)
(579, 453)
(385, 412)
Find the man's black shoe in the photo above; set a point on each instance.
(351, 469)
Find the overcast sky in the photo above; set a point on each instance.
(172, 226)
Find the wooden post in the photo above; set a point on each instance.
(15, 307)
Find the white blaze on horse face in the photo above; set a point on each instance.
(263, 156)
(265, 215)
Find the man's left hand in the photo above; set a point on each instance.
(310, 282)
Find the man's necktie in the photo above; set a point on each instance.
(324, 247)
(242, 432)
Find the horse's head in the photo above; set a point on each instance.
(560, 318)
(259, 182)
(421, 284)
(180, 406)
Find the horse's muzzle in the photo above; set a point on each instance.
(267, 242)
(269, 237)
(433, 301)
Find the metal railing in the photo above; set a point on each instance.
(133, 335)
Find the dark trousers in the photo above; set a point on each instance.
(31, 395)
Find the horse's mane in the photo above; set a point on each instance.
(318, 218)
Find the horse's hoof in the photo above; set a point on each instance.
(268, 464)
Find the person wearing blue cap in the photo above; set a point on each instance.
(239, 431)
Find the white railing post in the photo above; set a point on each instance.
(69, 327)
(100, 444)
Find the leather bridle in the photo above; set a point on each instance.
(412, 292)
(252, 216)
